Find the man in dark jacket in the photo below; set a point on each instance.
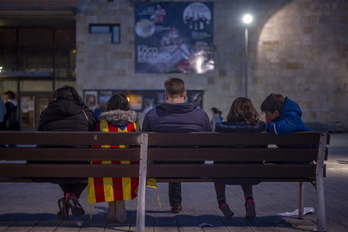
(173, 116)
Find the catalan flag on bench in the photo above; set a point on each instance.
(102, 189)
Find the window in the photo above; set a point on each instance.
(114, 29)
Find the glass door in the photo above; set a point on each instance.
(31, 106)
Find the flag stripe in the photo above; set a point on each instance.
(108, 188)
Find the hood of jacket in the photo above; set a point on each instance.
(119, 117)
(14, 102)
(62, 106)
(290, 108)
(177, 108)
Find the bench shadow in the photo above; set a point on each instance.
(100, 220)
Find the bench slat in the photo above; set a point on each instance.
(69, 138)
(199, 154)
(232, 154)
(68, 154)
(235, 170)
(69, 170)
(214, 138)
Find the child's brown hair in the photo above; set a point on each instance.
(272, 103)
(242, 110)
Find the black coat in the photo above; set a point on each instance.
(65, 115)
(9, 106)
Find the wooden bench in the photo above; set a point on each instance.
(13, 166)
(282, 164)
(296, 164)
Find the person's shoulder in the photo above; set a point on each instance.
(242, 127)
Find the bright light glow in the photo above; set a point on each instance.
(0, 69)
(247, 18)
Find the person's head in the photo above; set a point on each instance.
(69, 93)
(272, 106)
(242, 110)
(175, 90)
(118, 102)
(10, 95)
(214, 110)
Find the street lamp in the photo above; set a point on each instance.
(247, 19)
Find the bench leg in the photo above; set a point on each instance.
(321, 214)
(140, 223)
(300, 200)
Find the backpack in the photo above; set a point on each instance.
(12, 121)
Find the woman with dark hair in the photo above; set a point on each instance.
(242, 117)
(117, 118)
(67, 112)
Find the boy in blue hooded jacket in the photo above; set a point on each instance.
(283, 115)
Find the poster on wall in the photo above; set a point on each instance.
(174, 37)
(90, 98)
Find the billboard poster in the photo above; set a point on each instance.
(174, 37)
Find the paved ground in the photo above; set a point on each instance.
(33, 206)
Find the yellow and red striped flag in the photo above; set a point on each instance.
(102, 189)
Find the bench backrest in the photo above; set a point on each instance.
(81, 151)
(246, 150)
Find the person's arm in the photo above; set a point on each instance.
(2, 109)
(41, 123)
(146, 123)
(92, 120)
(288, 124)
(207, 123)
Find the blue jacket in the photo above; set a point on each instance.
(289, 119)
(177, 117)
(2, 110)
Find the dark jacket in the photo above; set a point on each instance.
(240, 127)
(11, 106)
(65, 115)
(289, 119)
(176, 117)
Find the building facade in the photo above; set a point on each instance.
(298, 48)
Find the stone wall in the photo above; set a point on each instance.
(297, 48)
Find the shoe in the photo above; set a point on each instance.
(250, 213)
(225, 208)
(73, 202)
(63, 209)
(176, 209)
